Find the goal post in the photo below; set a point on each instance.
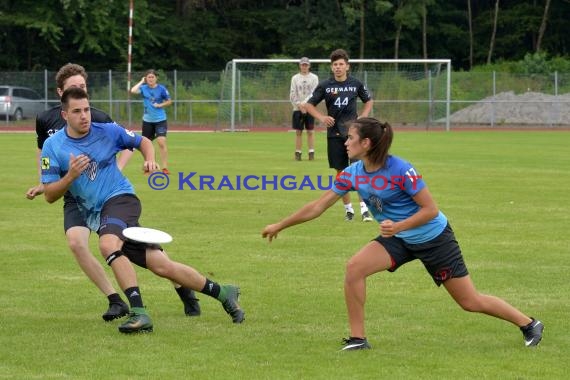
(255, 92)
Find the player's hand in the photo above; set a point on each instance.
(150, 167)
(388, 228)
(328, 121)
(270, 232)
(35, 191)
(302, 108)
(77, 165)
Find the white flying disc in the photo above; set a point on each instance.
(147, 235)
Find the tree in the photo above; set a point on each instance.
(470, 21)
(542, 26)
(494, 33)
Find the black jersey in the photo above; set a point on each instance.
(50, 121)
(340, 99)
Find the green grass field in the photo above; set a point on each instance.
(505, 193)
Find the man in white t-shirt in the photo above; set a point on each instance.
(302, 85)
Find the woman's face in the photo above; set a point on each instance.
(356, 148)
(151, 79)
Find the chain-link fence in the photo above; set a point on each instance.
(477, 98)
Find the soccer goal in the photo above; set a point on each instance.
(414, 92)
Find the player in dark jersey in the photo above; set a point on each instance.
(411, 227)
(340, 94)
(76, 231)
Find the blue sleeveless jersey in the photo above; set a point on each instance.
(388, 194)
(102, 179)
(150, 95)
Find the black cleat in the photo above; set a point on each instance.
(115, 311)
(532, 333)
(138, 321)
(231, 305)
(366, 217)
(351, 344)
(349, 216)
(297, 156)
(191, 305)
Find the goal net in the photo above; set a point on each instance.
(255, 92)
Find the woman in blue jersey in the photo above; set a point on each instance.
(155, 98)
(411, 227)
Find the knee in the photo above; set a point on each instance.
(353, 270)
(471, 304)
(77, 245)
(162, 268)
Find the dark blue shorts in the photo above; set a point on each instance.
(303, 121)
(440, 256)
(152, 130)
(72, 216)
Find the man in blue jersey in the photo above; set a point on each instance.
(76, 231)
(340, 93)
(80, 158)
(155, 99)
(411, 227)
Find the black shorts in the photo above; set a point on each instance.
(151, 130)
(336, 151)
(72, 216)
(440, 256)
(303, 121)
(119, 213)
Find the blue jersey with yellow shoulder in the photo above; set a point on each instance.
(102, 179)
(388, 193)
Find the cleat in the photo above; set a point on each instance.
(311, 156)
(231, 305)
(166, 171)
(138, 321)
(351, 344)
(349, 216)
(191, 305)
(532, 333)
(297, 156)
(115, 311)
(366, 217)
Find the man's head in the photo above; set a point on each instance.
(76, 111)
(339, 64)
(304, 65)
(70, 75)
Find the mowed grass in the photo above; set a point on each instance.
(505, 193)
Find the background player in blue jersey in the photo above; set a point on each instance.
(80, 158)
(340, 93)
(411, 227)
(155, 99)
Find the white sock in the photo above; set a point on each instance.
(363, 208)
(348, 208)
(311, 151)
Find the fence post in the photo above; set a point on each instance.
(111, 95)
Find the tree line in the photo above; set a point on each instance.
(202, 35)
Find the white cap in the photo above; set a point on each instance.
(304, 61)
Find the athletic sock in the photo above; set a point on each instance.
(211, 289)
(348, 208)
(134, 296)
(114, 298)
(363, 207)
(311, 151)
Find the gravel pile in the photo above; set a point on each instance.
(507, 108)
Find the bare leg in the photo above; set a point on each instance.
(122, 267)
(311, 140)
(78, 241)
(372, 258)
(161, 140)
(298, 140)
(464, 293)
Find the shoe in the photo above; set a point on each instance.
(351, 344)
(191, 305)
(311, 156)
(532, 333)
(231, 305)
(297, 156)
(349, 216)
(166, 171)
(115, 311)
(138, 321)
(366, 217)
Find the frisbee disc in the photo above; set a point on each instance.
(147, 235)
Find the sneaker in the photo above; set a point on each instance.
(366, 217)
(351, 344)
(138, 321)
(115, 311)
(532, 333)
(311, 156)
(191, 305)
(349, 216)
(297, 156)
(231, 305)
(166, 171)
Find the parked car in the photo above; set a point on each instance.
(19, 103)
